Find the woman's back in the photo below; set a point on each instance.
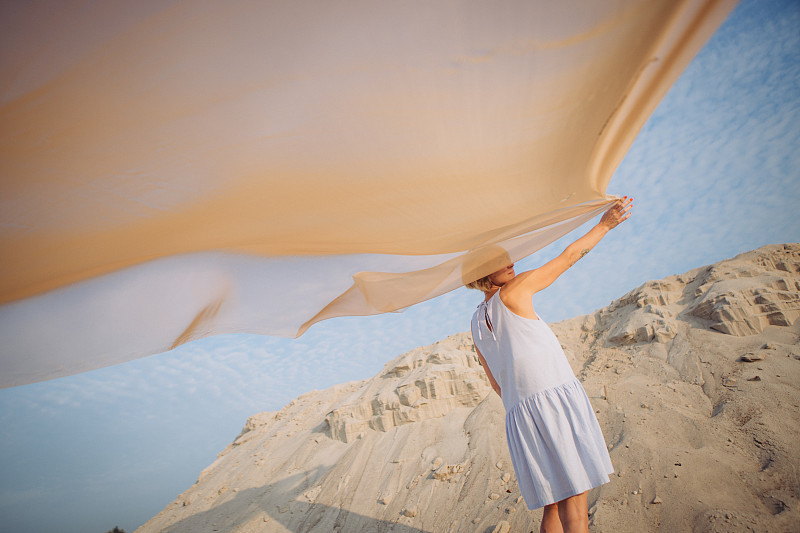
(523, 354)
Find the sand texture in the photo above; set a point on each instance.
(694, 379)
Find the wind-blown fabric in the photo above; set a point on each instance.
(172, 170)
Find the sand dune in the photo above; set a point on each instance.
(694, 379)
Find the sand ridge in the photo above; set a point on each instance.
(694, 379)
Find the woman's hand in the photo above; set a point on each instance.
(617, 213)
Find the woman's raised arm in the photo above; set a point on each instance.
(517, 292)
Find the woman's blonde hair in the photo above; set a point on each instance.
(484, 261)
(482, 284)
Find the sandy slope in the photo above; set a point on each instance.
(701, 439)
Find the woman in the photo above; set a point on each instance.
(556, 444)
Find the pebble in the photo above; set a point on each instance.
(437, 463)
(519, 499)
(656, 500)
(505, 477)
(749, 357)
(755, 378)
(494, 496)
(499, 465)
(410, 512)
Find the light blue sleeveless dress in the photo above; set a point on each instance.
(556, 445)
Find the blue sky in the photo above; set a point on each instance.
(714, 173)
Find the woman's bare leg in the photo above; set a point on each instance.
(551, 523)
(573, 514)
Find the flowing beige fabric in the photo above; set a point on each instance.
(172, 170)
